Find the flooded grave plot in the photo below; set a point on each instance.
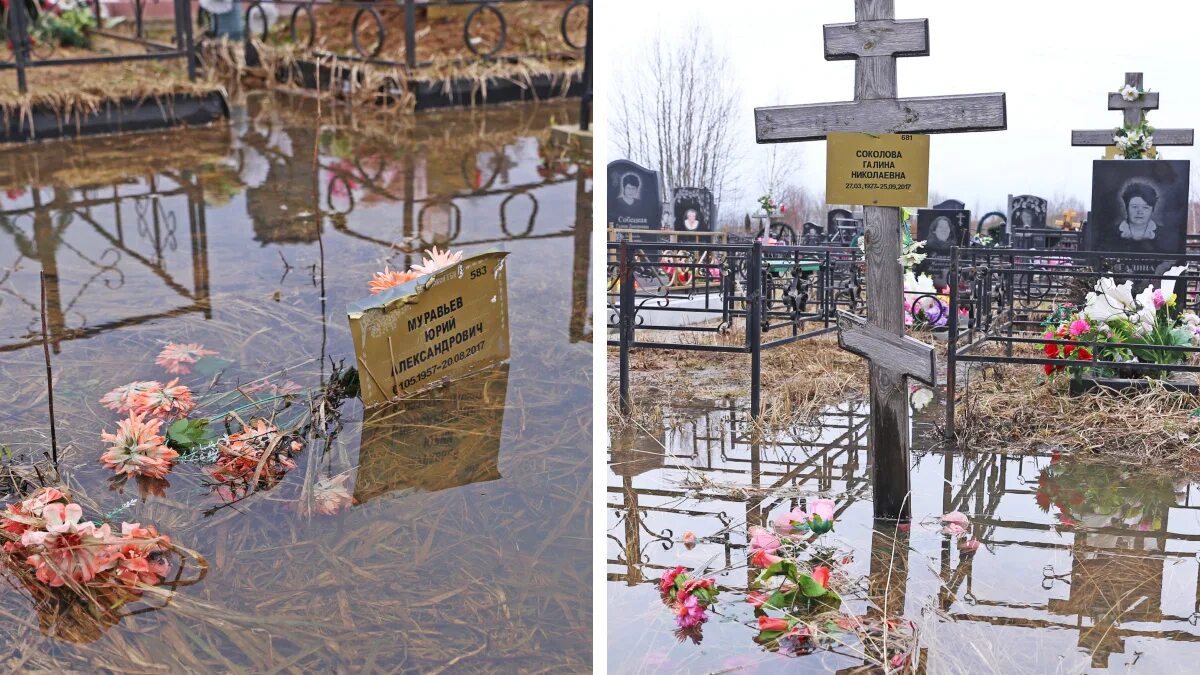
(293, 531)
(1010, 562)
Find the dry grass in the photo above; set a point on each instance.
(799, 380)
(1014, 409)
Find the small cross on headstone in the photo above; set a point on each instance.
(1133, 111)
(875, 40)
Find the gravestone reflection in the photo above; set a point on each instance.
(437, 440)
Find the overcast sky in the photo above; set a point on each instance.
(1055, 59)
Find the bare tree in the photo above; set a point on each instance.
(674, 110)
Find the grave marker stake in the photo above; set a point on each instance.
(875, 40)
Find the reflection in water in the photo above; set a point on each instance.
(441, 439)
(1082, 565)
(450, 531)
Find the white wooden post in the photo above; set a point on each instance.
(874, 41)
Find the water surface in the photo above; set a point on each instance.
(468, 547)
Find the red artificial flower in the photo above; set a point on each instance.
(766, 623)
(1048, 368)
(757, 598)
(1067, 349)
(668, 579)
(1043, 500)
(820, 574)
(1051, 350)
(692, 584)
(763, 558)
(1083, 354)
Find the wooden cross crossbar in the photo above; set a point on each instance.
(1133, 112)
(898, 354)
(875, 40)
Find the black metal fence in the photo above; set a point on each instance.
(795, 290)
(19, 25)
(1002, 298)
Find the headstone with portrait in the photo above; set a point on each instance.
(1139, 206)
(941, 229)
(843, 226)
(1027, 212)
(633, 197)
(694, 209)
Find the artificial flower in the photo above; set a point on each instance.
(688, 611)
(968, 545)
(1079, 327)
(769, 623)
(820, 574)
(763, 539)
(689, 539)
(667, 581)
(164, 400)
(757, 598)
(137, 448)
(124, 398)
(390, 279)
(140, 555)
(177, 357)
(763, 558)
(331, 495)
(67, 549)
(435, 260)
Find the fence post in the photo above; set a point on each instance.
(187, 41)
(21, 46)
(410, 34)
(952, 344)
(1011, 300)
(625, 324)
(754, 326)
(585, 104)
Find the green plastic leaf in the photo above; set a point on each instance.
(785, 568)
(810, 587)
(186, 434)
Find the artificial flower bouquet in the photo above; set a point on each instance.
(688, 598)
(925, 305)
(1113, 315)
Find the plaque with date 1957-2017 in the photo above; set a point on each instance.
(434, 329)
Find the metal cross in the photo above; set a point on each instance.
(1134, 111)
(875, 40)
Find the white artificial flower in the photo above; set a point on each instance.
(1110, 300)
(1130, 92)
(1146, 315)
(1122, 142)
(1168, 285)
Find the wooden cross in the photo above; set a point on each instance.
(1134, 112)
(875, 40)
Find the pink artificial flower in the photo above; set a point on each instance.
(823, 508)
(689, 539)
(177, 357)
(140, 556)
(137, 449)
(956, 517)
(953, 529)
(768, 623)
(1079, 327)
(330, 495)
(783, 522)
(968, 545)
(25, 515)
(436, 260)
(763, 539)
(390, 279)
(239, 455)
(1160, 300)
(820, 574)
(165, 401)
(124, 398)
(68, 548)
(688, 612)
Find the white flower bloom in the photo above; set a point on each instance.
(1110, 300)
(1122, 142)
(1130, 92)
(1146, 315)
(1168, 285)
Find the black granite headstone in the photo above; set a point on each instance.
(941, 230)
(1139, 206)
(633, 197)
(694, 210)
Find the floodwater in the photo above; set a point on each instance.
(468, 545)
(1082, 567)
